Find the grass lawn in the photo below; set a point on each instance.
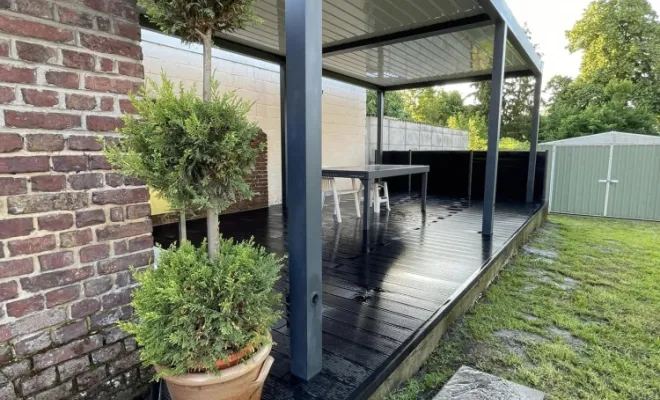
(583, 325)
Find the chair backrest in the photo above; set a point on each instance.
(356, 183)
(326, 184)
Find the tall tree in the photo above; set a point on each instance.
(395, 104)
(433, 106)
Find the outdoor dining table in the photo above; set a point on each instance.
(367, 174)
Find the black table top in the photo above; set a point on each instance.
(374, 171)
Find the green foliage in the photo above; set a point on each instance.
(619, 83)
(193, 310)
(192, 19)
(477, 128)
(432, 106)
(197, 154)
(394, 104)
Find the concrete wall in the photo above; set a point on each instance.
(344, 106)
(406, 135)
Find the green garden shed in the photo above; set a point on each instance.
(612, 174)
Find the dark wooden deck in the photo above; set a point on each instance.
(380, 291)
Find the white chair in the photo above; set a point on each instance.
(329, 188)
(377, 198)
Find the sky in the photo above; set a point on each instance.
(548, 21)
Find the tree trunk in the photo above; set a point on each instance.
(183, 233)
(212, 222)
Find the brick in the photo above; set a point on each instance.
(4, 47)
(20, 308)
(75, 17)
(121, 196)
(130, 344)
(68, 80)
(74, 59)
(58, 260)
(8, 290)
(75, 238)
(84, 143)
(84, 308)
(135, 211)
(140, 243)
(7, 392)
(18, 267)
(69, 163)
(31, 245)
(5, 358)
(73, 367)
(79, 102)
(62, 296)
(37, 322)
(10, 142)
(124, 363)
(113, 232)
(103, 124)
(15, 227)
(123, 263)
(7, 95)
(32, 344)
(67, 352)
(55, 222)
(129, 31)
(126, 106)
(135, 70)
(121, 247)
(12, 186)
(13, 165)
(43, 141)
(6, 333)
(114, 334)
(99, 162)
(91, 378)
(63, 391)
(48, 183)
(86, 181)
(114, 179)
(13, 74)
(39, 382)
(117, 298)
(104, 44)
(51, 280)
(36, 52)
(21, 27)
(16, 370)
(107, 65)
(29, 204)
(106, 354)
(70, 332)
(107, 104)
(111, 317)
(36, 8)
(104, 24)
(104, 84)
(116, 214)
(93, 253)
(40, 120)
(89, 218)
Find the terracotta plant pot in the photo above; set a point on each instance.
(243, 381)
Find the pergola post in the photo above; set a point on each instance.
(303, 117)
(380, 115)
(534, 138)
(283, 132)
(494, 124)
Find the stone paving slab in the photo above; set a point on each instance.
(470, 384)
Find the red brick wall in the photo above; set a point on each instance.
(258, 182)
(69, 226)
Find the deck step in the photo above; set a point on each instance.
(471, 384)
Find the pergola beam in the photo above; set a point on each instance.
(469, 78)
(380, 114)
(441, 28)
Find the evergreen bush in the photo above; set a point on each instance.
(194, 310)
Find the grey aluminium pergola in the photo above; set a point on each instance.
(381, 45)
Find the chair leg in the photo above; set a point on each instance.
(336, 200)
(376, 199)
(387, 196)
(356, 197)
(322, 200)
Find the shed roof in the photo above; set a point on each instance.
(606, 138)
(397, 44)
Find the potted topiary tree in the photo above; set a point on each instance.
(196, 22)
(204, 323)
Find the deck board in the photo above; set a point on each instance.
(379, 289)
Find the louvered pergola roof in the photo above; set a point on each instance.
(397, 44)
